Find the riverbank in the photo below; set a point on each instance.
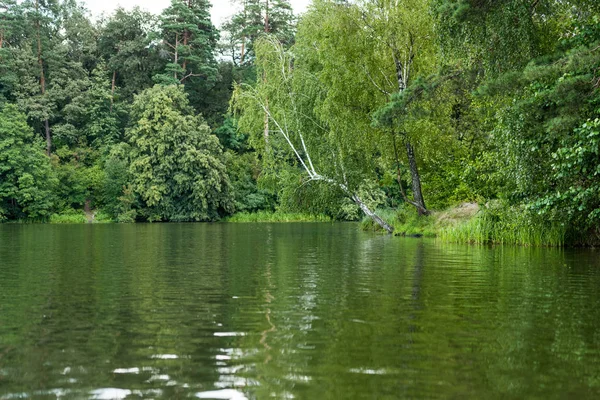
(475, 224)
(97, 216)
(467, 223)
(406, 221)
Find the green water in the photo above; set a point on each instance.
(303, 311)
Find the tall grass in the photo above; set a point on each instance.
(79, 217)
(102, 218)
(68, 218)
(276, 216)
(404, 220)
(496, 224)
(506, 226)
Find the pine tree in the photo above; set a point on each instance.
(255, 18)
(189, 41)
(125, 45)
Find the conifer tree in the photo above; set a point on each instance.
(189, 41)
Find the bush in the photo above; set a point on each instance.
(69, 216)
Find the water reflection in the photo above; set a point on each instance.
(290, 311)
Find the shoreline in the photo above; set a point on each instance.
(467, 223)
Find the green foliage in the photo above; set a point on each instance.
(277, 216)
(81, 177)
(575, 168)
(69, 216)
(117, 197)
(26, 178)
(501, 35)
(125, 44)
(176, 165)
(244, 28)
(243, 170)
(189, 41)
(548, 136)
(471, 100)
(230, 136)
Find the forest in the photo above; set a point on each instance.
(398, 112)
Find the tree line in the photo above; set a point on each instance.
(429, 103)
(127, 114)
(354, 107)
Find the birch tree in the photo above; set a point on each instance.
(364, 53)
(296, 136)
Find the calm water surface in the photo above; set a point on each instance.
(290, 311)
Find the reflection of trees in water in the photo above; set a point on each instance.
(417, 276)
(268, 299)
(325, 311)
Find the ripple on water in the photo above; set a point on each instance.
(290, 311)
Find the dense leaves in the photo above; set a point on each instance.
(176, 164)
(26, 178)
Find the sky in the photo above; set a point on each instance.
(221, 8)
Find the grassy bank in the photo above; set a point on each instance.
(276, 216)
(511, 228)
(469, 223)
(404, 221)
(79, 217)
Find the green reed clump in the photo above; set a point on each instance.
(102, 218)
(499, 224)
(72, 217)
(277, 216)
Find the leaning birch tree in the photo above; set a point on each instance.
(365, 53)
(285, 93)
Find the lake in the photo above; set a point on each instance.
(290, 311)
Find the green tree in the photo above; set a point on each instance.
(176, 165)
(189, 40)
(363, 53)
(300, 149)
(549, 131)
(42, 33)
(26, 179)
(125, 44)
(255, 18)
(12, 21)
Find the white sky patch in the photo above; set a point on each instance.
(220, 11)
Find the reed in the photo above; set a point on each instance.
(506, 226)
(276, 216)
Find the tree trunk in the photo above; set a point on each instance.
(266, 133)
(372, 215)
(39, 52)
(186, 35)
(243, 54)
(416, 180)
(267, 18)
(42, 80)
(402, 72)
(176, 55)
